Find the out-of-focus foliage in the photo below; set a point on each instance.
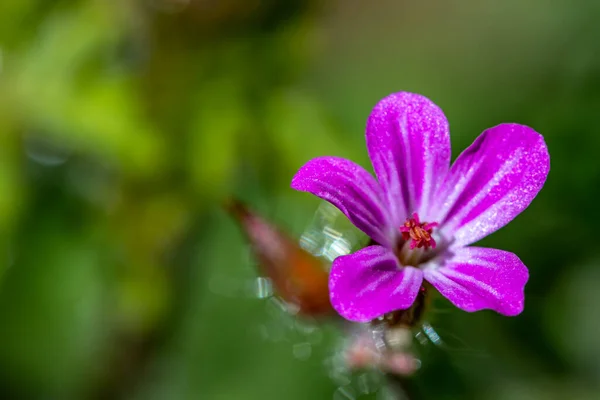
(125, 124)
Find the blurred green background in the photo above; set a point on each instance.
(124, 124)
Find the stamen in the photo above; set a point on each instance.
(419, 233)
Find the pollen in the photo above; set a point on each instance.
(419, 233)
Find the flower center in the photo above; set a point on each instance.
(416, 240)
(419, 233)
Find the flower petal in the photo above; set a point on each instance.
(409, 145)
(369, 283)
(477, 278)
(353, 190)
(492, 181)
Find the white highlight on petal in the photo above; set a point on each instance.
(375, 284)
(408, 282)
(447, 200)
(402, 125)
(429, 183)
(451, 273)
(506, 168)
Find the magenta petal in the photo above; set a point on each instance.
(492, 181)
(477, 278)
(350, 188)
(369, 283)
(409, 145)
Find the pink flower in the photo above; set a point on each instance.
(423, 214)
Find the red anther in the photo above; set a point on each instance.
(419, 233)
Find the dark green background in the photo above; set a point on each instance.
(124, 124)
